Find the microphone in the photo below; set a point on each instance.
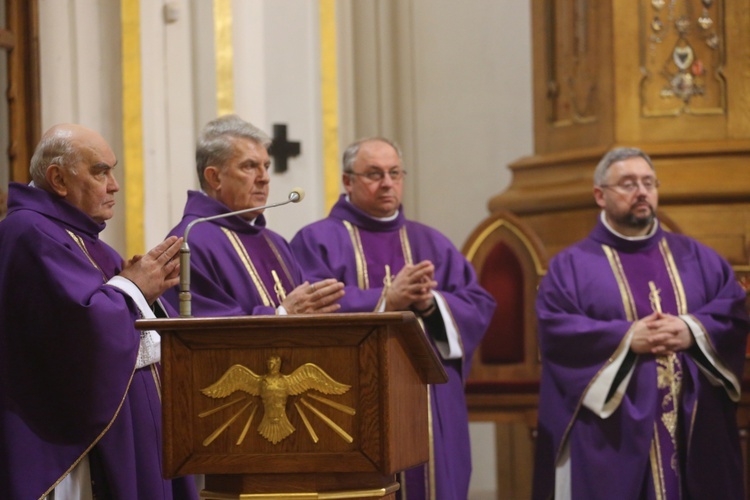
(295, 196)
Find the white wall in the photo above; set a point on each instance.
(79, 45)
(472, 89)
(451, 82)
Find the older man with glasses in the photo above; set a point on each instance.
(390, 263)
(642, 335)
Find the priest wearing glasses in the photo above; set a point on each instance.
(642, 335)
(390, 263)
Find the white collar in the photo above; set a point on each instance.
(629, 238)
(381, 219)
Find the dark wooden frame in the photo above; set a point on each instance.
(21, 38)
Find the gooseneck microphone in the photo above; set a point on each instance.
(295, 196)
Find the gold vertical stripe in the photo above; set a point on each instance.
(657, 466)
(282, 263)
(627, 296)
(405, 245)
(674, 276)
(363, 281)
(431, 464)
(224, 56)
(132, 126)
(249, 266)
(330, 102)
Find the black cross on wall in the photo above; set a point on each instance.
(282, 149)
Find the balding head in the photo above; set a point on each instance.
(60, 145)
(76, 163)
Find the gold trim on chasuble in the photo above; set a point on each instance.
(363, 279)
(667, 367)
(250, 267)
(79, 241)
(363, 282)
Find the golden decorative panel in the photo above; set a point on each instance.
(572, 69)
(682, 53)
(274, 389)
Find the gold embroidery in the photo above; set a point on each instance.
(654, 297)
(669, 377)
(431, 463)
(657, 469)
(157, 379)
(363, 281)
(388, 280)
(405, 246)
(278, 287)
(245, 258)
(82, 246)
(282, 263)
(674, 276)
(627, 296)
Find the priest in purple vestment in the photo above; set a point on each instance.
(642, 335)
(237, 265)
(389, 263)
(80, 407)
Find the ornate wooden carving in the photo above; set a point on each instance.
(683, 55)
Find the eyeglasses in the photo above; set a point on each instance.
(378, 175)
(631, 185)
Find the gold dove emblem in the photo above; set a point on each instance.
(274, 389)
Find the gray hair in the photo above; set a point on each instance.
(615, 155)
(215, 145)
(54, 149)
(350, 155)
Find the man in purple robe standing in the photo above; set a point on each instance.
(389, 263)
(642, 335)
(237, 266)
(80, 407)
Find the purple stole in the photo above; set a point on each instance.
(649, 282)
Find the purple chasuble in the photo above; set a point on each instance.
(68, 348)
(648, 280)
(232, 262)
(328, 249)
(584, 313)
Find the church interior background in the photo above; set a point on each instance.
(502, 109)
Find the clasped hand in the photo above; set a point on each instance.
(660, 334)
(317, 298)
(411, 287)
(156, 271)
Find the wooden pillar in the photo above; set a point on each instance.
(21, 39)
(669, 77)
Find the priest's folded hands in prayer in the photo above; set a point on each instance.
(660, 334)
(318, 298)
(156, 271)
(412, 288)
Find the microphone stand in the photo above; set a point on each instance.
(295, 196)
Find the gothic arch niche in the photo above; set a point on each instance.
(20, 115)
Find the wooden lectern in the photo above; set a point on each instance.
(318, 406)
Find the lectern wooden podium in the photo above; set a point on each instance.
(319, 406)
